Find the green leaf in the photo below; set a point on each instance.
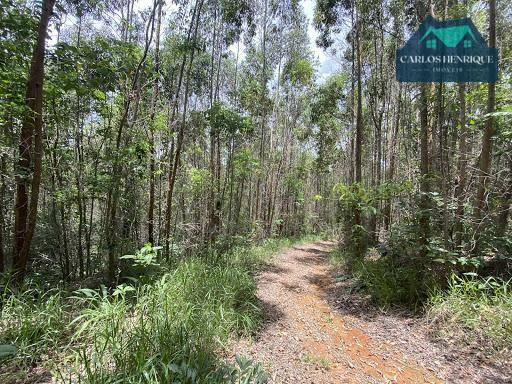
(99, 95)
(7, 350)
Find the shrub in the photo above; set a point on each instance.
(391, 283)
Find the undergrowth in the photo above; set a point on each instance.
(168, 329)
(390, 283)
(474, 311)
(470, 310)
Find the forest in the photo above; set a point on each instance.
(236, 191)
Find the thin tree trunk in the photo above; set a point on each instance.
(212, 199)
(392, 160)
(259, 194)
(179, 142)
(484, 171)
(113, 197)
(152, 160)
(353, 108)
(462, 165)
(359, 133)
(425, 166)
(173, 157)
(424, 172)
(79, 175)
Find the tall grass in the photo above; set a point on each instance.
(33, 321)
(168, 329)
(33, 328)
(474, 311)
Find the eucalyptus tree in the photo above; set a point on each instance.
(30, 151)
(18, 24)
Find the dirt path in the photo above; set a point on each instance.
(305, 341)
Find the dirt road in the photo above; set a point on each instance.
(305, 340)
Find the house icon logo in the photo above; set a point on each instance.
(449, 37)
(447, 51)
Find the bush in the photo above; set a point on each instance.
(390, 283)
(474, 310)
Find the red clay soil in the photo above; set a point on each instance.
(313, 335)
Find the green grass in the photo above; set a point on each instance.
(170, 329)
(35, 323)
(339, 258)
(321, 362)
(474, 310)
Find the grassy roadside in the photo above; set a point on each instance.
(469, 310)
(163, 330)
(474, 311)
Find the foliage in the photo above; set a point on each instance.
(17, 26)
(326, 116)
(225, 121)
(298, 71)
(366, 200)
(391, 283)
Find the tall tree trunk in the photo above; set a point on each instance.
(259, 193)
(359, 113)
(424, 220)
(462, 165)
(174, 156)
(30, 154)
(212, 163)
(486, 153)
(425, 159)
(79, 159)
(114, 192)
(443, 154)
(378, 111)
(152, 160)
(392, 157)
(359, 137)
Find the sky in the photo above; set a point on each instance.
(327, 62)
